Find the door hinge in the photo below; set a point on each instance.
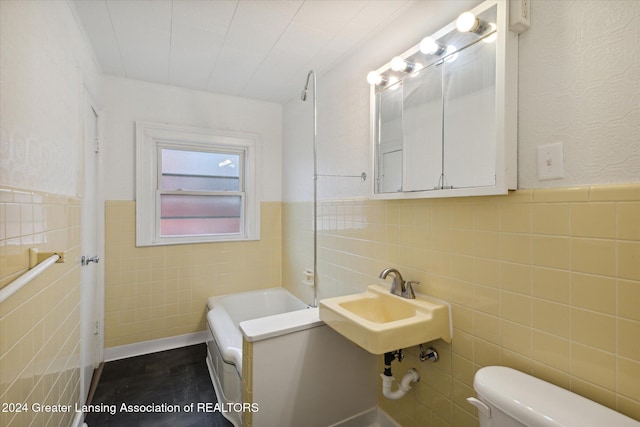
(97, 141)
(96, 331)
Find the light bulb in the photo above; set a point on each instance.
(429, 46)
(467, 22)
(398, 64)
(392, 81)
(374, 78)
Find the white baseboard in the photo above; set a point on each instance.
(146, 347)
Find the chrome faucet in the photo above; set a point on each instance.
(405, 289)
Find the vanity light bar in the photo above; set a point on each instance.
(467, 22)
(374, 78)
(399, 64)
(430, 46)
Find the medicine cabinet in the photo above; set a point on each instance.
(443, 113)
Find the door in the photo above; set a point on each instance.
(91, 293)
(391, 171)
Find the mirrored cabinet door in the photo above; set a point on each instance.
(422, 129)
(469, 117)
(389, 147)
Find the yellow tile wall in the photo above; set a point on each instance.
(159, 292)
(546, 281)
(39, 324)
(247, 381)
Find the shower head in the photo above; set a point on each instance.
(305, 92)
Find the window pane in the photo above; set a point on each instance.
(200, 171)
(199, 183)
(192, 215)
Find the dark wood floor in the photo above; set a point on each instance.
(163, 385)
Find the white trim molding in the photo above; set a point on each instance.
(153, 346)
(150, 136)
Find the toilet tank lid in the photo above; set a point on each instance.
(535, 402)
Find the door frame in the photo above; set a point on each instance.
(88, 101)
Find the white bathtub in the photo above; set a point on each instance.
(257, 315)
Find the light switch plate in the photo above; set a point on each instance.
(550, 161)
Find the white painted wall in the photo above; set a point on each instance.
(580, 84)
(128, 101)
(297, 153)
(579, 71)
(45, 65)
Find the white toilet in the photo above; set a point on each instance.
(510, 398)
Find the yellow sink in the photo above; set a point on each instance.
(379, 321)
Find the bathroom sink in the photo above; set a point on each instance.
(379, 321)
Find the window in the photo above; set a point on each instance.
(194, 185)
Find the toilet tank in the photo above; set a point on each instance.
(513, 398)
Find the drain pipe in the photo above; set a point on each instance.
(387, 378)
(411, 376)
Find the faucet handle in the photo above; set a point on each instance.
(409, 289)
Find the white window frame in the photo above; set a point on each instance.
(151, 137)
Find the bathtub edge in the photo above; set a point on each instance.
(280, 324)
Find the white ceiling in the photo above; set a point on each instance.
(259, 49)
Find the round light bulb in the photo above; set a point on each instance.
(429, 46)
(374, 78)
(398, 64)
(466, 22)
